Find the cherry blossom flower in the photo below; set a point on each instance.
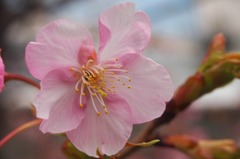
(2, 70)
(95, 98)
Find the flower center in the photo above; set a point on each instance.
(98, 81)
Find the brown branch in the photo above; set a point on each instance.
(217, 69)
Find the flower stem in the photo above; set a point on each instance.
(19, 130)
(10, 76)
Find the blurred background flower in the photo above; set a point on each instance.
(181, 33)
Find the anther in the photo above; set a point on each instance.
(81, 105)
(76, 90)
(129, 87)
(116, 59)
(98, 113)
(83, 94)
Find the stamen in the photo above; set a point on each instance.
(82, 94)
(77, 85)
(116, 70)
(94, 106)
(112, 65)
(95, 70)
(100, 99)
(100, 68)
(126, 77)
(90, 91)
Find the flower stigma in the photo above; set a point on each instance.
(98, 80)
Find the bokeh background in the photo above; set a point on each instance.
(181, 32)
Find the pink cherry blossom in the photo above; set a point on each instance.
(2, 68)
(95, 98)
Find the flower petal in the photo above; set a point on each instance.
(2, 68)
(122, 30)
(107, 132)
(58, 103)
(151, 87)
(58, 45)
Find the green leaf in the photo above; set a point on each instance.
(73, 153)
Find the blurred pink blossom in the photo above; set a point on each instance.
(96, 98)
(2, 70)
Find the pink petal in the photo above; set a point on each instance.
(58, 103)
(58, 45)
(2, 68)
(151, 87)
(122, 30)
(108, 133)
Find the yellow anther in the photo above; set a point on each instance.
(113, 86)
(83, 94)
(113, 73)
(94, 94)
(126, 71)
(129, 79)
(106, 112)
(116, 59)
(104, 106)
(118, 79)
(71, 69)
(109, 89)
(129, 87)
(102, 93)
(81, 105)
(98, 113)
(77, 90)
